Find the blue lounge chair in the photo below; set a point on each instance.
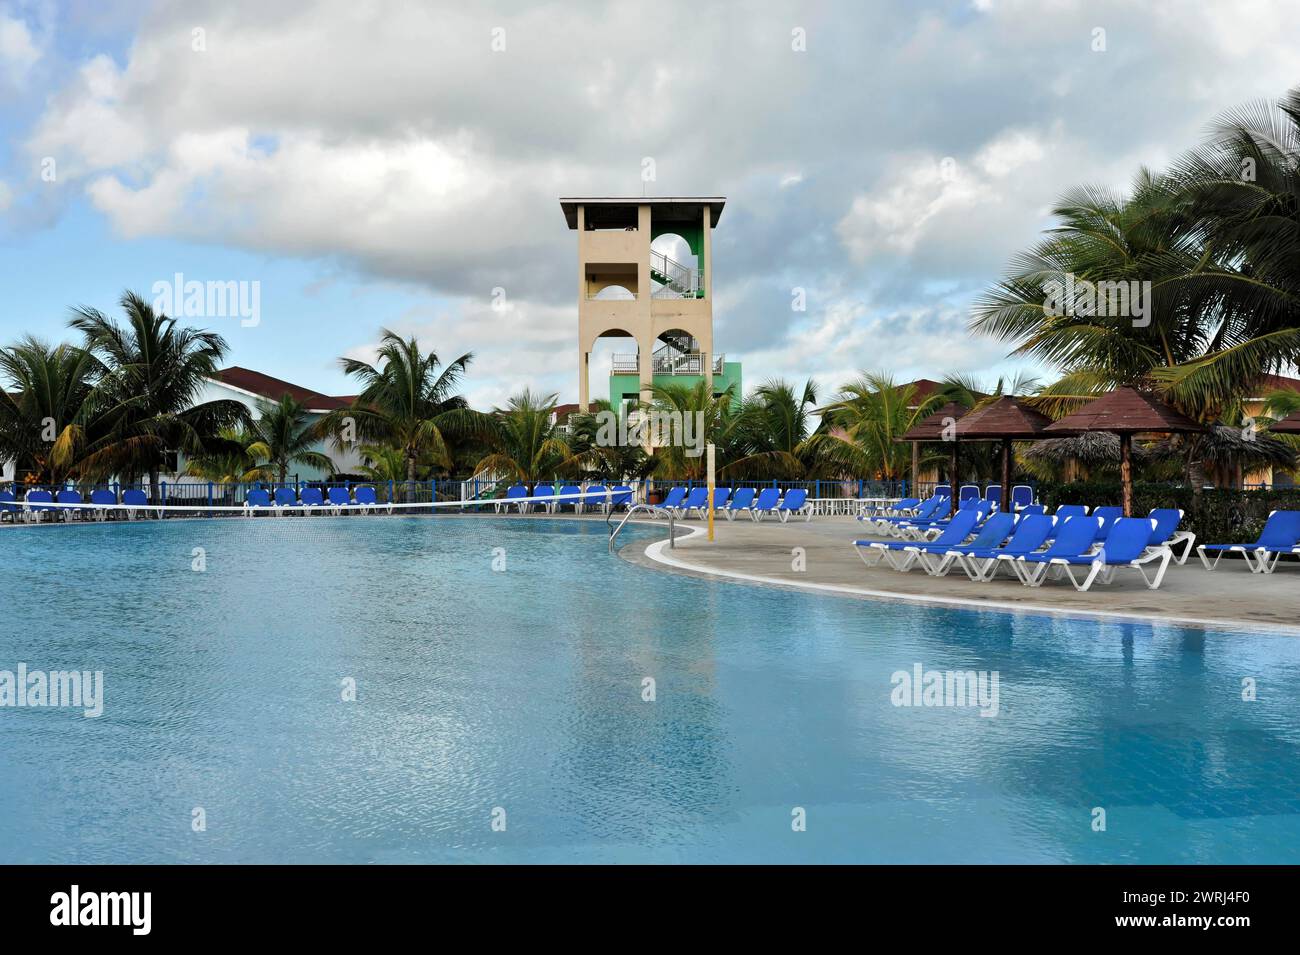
(1022, 496)
(720, 495)
(339, 500)
(367, 499)
(672, 500)
(594, 498)
(794, 502)
(899, 508)
(1074, 537)
(943, 490)
(311, 498)
(256, 500)
(132, 498)
(928, 530)
(513, 493)
(936, 559)
(1127, 545)
(901, 555)
(993, 494)
(1280, 536)
(1030, 509)
(969, 492)
(546, 492)
(570, 496)
(74, 501)
(982, 563)
(741, 500)
(1108, 516)
(765, 503)
(933, 508)
(102, 500)
(8, 506)
(621, 497)
(1168, 535)
(285, 500)
(1063, 513)
(697, 498)
(32, 505)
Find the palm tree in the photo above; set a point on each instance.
(776, 424)
(1242, 190)
(284, 436)
(150, 374)
(524, 441)
(382, 462)
(408, 400)
(46, 414)
(230, 465)
(863, 423)
(700, 418)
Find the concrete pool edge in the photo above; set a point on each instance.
(656, 558)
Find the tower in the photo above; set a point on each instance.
(666, 306)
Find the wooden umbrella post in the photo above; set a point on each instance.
(1126, 471)
(1005, 506)
(953, 481)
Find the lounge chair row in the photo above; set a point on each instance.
(335, 500)
(749, 501)
(36, 505)
(1022, 495)
(1036, 546)
(681, 502)
(597, 497)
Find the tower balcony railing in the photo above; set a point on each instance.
(689, 363)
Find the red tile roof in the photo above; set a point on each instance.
(273, 389)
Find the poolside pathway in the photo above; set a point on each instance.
(1230, 597)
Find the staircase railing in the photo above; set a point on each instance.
(649, 508)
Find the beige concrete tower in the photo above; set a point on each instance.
(670, 311)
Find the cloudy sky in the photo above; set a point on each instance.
(375, 163)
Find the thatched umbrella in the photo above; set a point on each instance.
(1125, 412)
(1007, 419)
(1230, 451)
(939, 427)
(1091, 449)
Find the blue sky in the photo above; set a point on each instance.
(377, 163)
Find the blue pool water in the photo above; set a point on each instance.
(522, 690)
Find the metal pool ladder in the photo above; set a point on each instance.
(649, 508)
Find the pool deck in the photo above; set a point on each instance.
(1228, 598)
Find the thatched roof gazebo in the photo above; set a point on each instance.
(940, 427)
(1006, 419)
(1125, 412)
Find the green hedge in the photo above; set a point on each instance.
(1225, 516)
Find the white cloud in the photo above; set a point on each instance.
(19, 50)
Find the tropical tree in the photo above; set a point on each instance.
(1241, 189)
(231, 464)
(695, 417)
(863, 424)
(524, 441)
(284, 435)
(776, 423)
(45, 407)
(408, 400)
(150, 374)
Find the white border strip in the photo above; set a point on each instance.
(655, 552)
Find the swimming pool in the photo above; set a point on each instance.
(522, 689)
